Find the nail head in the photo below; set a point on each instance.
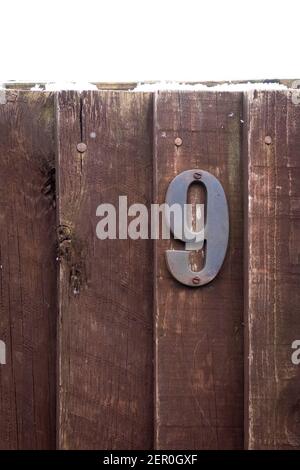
(196, 280)
(197, 176)
(81, 147)
(178, 141)
(268, 140)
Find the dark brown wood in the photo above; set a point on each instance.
(105, 365)
(28, 270)
(199, 332)
(108, 396)
(272, 254)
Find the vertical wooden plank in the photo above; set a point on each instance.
(272, 253)
(106, 371)
(27, 270)
(199, 332)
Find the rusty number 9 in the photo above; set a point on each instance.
(215, 230)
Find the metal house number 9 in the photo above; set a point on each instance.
(215, 233)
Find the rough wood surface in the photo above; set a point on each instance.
(272, 254)
(110, 292)
(105, 370)
(199, 332)
(27, 270)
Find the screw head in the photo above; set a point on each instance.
(81, 147)
(268, 140)
(196, 280)
(197, 176)
(178, 141)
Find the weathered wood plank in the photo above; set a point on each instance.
(28, 270)
(199, 332)
(272, 254)
(105, 370)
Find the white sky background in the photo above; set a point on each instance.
(140, 40)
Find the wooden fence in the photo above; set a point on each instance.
(104, 348)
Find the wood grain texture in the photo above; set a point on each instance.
(199, 332)
(105, 370)
(28, 270)
(272, 254)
